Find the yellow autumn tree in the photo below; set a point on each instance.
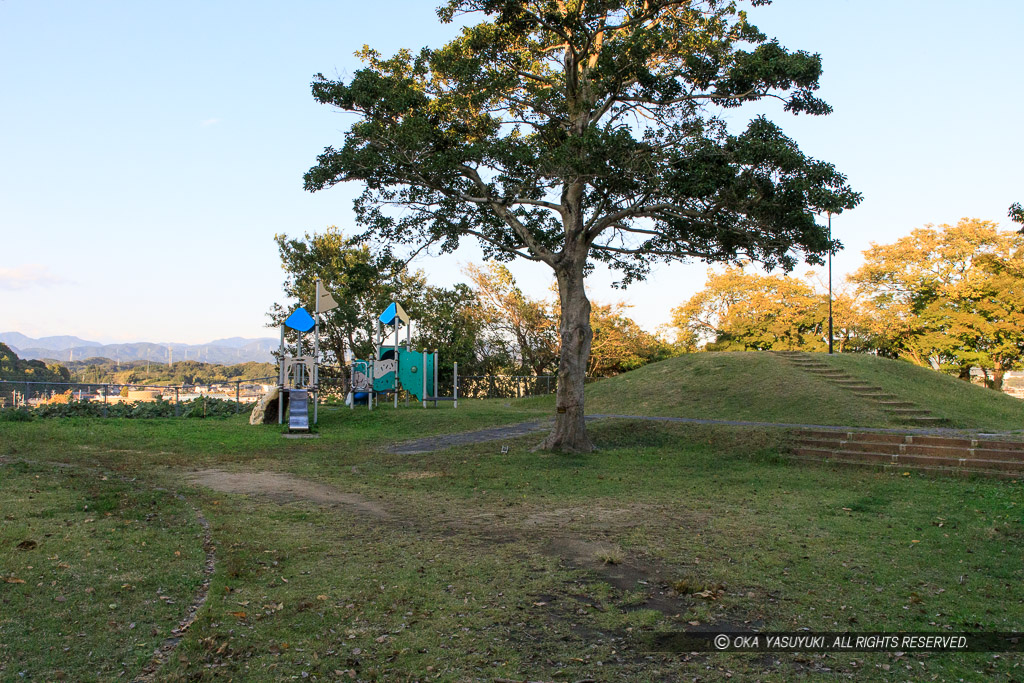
(949, 297)
(620, 344)
(741, 311)
(520, 329)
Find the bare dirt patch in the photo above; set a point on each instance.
(285, 488)
(418, 475)
(578, 535)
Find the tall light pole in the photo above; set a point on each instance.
(830, 282)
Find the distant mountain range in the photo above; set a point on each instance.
(65, 348)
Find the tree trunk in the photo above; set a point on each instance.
(570, 432)
(995, 381)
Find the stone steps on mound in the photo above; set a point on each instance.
(955, 455)
(894, 406)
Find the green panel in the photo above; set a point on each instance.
(410, 372)
(384, 375)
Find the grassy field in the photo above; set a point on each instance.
(764, 387)
(337, 559)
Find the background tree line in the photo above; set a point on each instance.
(949, 297)
(487, 324)
(108, 371)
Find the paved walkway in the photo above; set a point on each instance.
(436, 443)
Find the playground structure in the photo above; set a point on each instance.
(392, 370)
(298, 374)
(396, 369)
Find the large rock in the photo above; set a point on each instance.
(265, 412)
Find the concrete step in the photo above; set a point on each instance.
(1000, 445)
(904, 450)
(966, 453)
(896, 410)
(913, 444)
(923, 420)
(947, 464)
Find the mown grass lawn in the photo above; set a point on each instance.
(474, 564)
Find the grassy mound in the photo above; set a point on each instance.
(964, 405)
(731, 386)
(765, 387)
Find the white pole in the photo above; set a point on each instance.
(424, 369)
(435, 379)
(280, 382)
(370, 366)
(455, 391)
(316, 356)
(396, 362)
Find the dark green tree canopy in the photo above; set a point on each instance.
(579, 131)
(615, 104)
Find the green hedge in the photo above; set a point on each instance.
(199, 407)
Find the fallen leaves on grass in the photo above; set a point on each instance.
(11, 579)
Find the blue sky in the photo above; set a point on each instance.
(150, 151)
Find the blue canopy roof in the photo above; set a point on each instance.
(300, 320)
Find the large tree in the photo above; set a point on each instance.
(571, 132)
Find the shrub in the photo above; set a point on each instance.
(15, 415)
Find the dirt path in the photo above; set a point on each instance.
(285, 488)
(543, 530)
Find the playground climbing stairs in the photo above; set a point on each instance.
(954, 455)
(896, 407)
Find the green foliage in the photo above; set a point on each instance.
(521, 133)
(521, 333)
(1016, 214)
(361, 281)
(13, 368)
(451, 324)
(573, 132)
(742, 311)
(620, 345)
(195, 408)
(15, 415)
